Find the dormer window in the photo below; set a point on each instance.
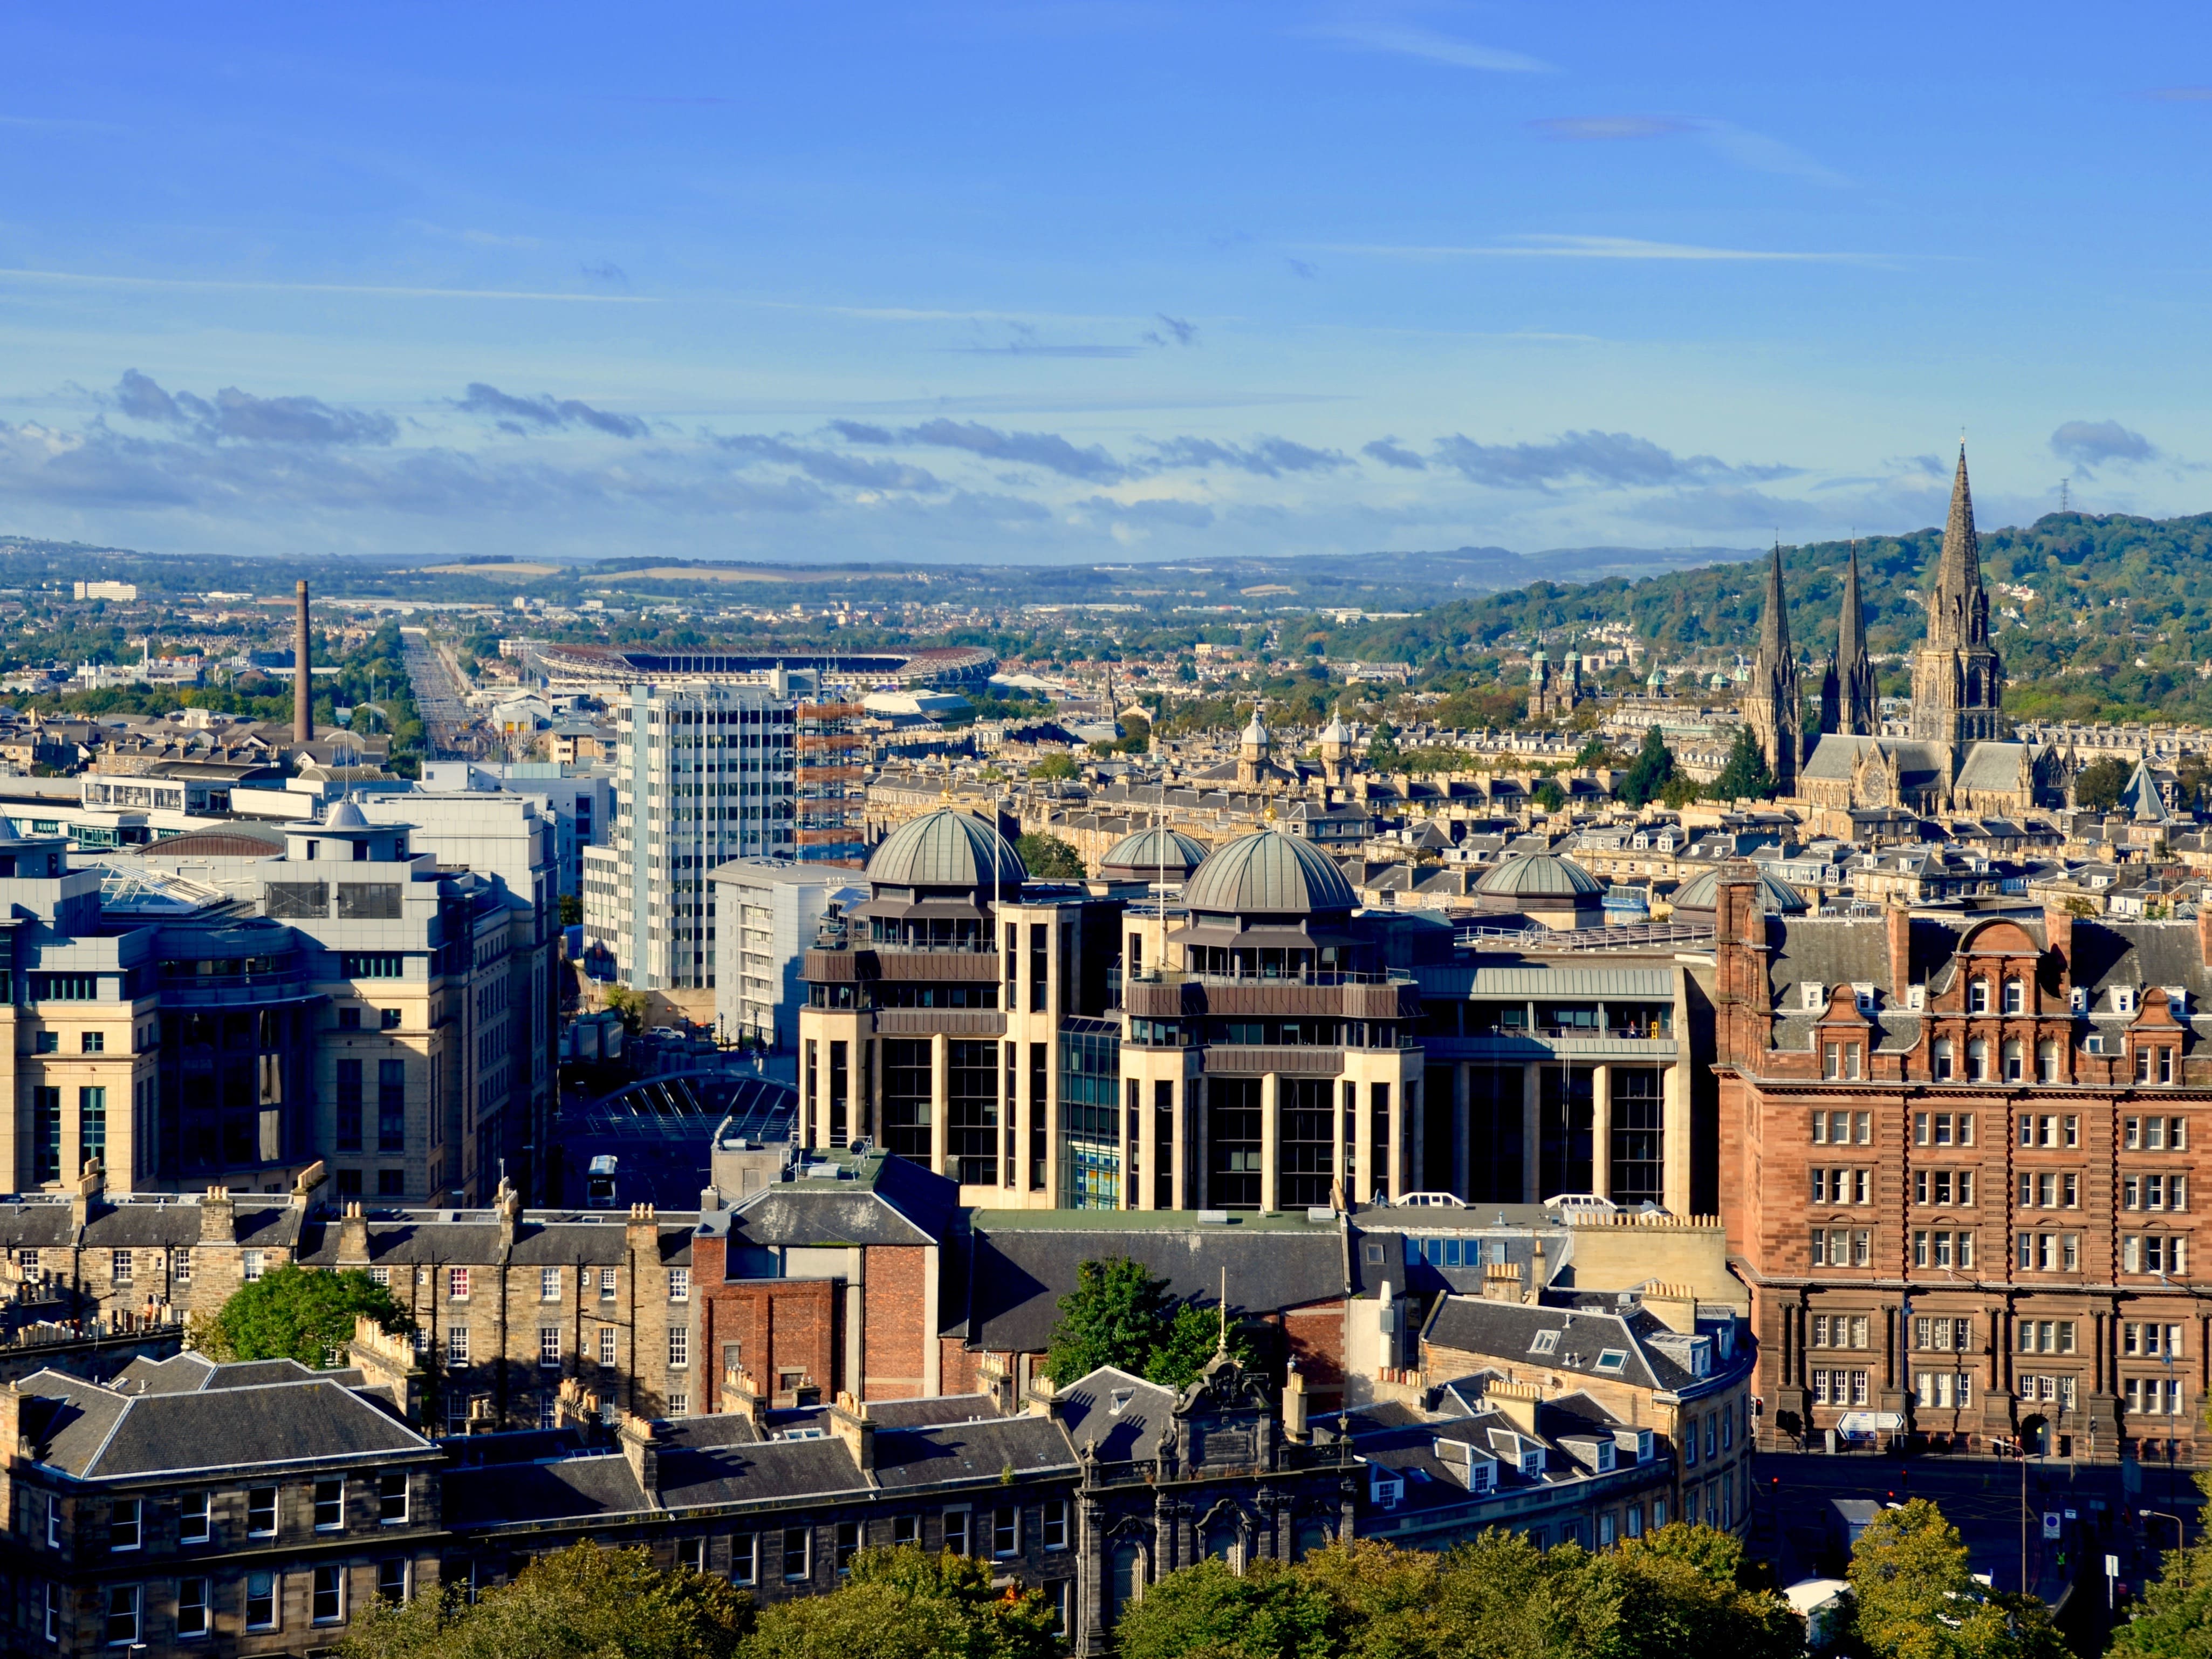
(1864, 994)
(1916, 996)
(1812, 996)
(2078, 1000)
(2124, 999)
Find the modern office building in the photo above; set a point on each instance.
(703, 774)
(767, 912)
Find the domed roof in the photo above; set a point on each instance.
(1269, 873)
(1336, 731)
(1255, 730)
(946, 848)
(1702, 892)
(344, 815)
(1149, 852)
(1539, 875)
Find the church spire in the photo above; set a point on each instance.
(1959, 611)
(1855, 711)
(1774, 623)
(1771, 706)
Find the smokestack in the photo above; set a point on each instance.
(303, 685)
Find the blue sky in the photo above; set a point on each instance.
(1092, 279)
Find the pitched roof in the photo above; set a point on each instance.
(96, 1434)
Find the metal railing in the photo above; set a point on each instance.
(1309, 977)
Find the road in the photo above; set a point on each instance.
(1982, 1497)
(437, 686)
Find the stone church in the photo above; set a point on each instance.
(1959, 758)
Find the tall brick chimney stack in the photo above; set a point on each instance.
(303, 685)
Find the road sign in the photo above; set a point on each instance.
(2050, 1523)
(2112, 1566)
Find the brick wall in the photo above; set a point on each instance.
(893, 1343)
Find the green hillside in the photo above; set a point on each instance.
(2120, 623)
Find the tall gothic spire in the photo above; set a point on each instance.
(1959, 611)
(1855, 709)
(1773, 708)
(1774, 623)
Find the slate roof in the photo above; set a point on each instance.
(969, 1451)
(1507, 1331)
(1919, 765)
(1992, 766)
(95, 1434)
(570, 1488)
(189, 1373)
(1123, 1413)
(1019, 1269)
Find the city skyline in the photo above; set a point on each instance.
(1067, 283)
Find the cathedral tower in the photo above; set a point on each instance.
(1772, 704)
(1957, 683)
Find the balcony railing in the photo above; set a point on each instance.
(1310, 977)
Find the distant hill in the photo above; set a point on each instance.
(2108, 591)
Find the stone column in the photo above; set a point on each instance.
(1363, 1142)
(1271, 1139)
(940, 1056)
(1674, 1132)
(1601, 1131)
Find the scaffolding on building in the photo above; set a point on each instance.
(829, 781)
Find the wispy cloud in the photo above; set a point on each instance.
(1412, 40)
(1746, 148)
(1391, 453)
(239, 416)
(1268, 457)
(2092, 444)
(832, 465)
(244, 285)
(1614, 461)
(1597, 247)
(1045, 449)
(1180, 329)
(546, 413)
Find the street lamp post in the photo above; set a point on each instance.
(2180, 1539)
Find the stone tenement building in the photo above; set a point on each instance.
(1957, 1159)
(510, 1304)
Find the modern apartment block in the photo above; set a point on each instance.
(704, 773)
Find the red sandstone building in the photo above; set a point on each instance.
(1957, 1157)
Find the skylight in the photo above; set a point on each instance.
(1611, 1359)
(1546, 1342)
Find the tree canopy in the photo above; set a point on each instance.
(1048, 857)
(904, 1604)
(305, 1314)
(1914, 1598)
(2174, 1620)
(1120, 1314)
(585, 1602)
(1650, 772)
(2097, 787)
(1673, 1595)
(1745, 777)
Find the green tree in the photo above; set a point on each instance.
(1048, 857)
(1120, 1314)
(299, 1312)
(903, 1604)
(630, 1004)
(2097, 786)
(585, 1602)
(1548, 795)
(1054, 769)
(1594, 753)
(1745, 777)
(2174, 1620)
(1382, 747)
(1650, 771)
(1682, 1597)
(1913, 1597)
(572, 909)
(1210, 1611)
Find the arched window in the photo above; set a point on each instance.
(1977, 1061)
(2015, 996)
(1221, 1538)
(2046, 1060)
(1124, 1576)
(1942, 1059)
(2015, 1061)
(1978, 997)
